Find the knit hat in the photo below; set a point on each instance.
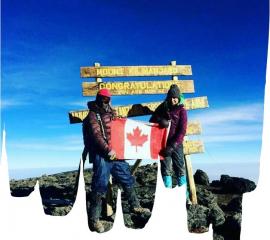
(104, 92)
(174, 91)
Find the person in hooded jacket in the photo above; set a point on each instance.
(97, 141)
(172, 110)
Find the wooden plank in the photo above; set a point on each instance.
(148, 108)
(194, 128)
(134, 71)
(140, 109)
(191, 182)
(137, 87)
(192, 147)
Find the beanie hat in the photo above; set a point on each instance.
(174, 91)
(104, 92)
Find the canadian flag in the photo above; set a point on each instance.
(137, 140)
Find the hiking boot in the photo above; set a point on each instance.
(182, 180)
(167, 180)
(95, 206)
(141, 210)
(97, 226)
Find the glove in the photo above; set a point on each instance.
(163, 123)
(112, 155)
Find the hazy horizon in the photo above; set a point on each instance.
(214, 171)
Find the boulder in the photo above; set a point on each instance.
(217, 236)
(200, 177)
(198, 218)
(236, 185)
(235, 205)
(140, 220)
(205, 197)
(216, 215)
(21, 191)
(234, 222)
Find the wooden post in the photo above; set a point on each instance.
(109, 198)
(190, 180)
(173, 63)
(98, 80)
(191, 183)
(135, 166)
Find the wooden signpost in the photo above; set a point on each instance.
(134, 71)
(138, 87)
(140, 109)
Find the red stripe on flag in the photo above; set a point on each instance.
(157, 141)
(118, 137)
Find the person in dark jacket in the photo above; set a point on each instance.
(172, 110)
(97, 140)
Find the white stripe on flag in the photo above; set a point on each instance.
(137, 140)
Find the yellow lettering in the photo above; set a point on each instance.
(126, 85)
(98, 71)
(101, 85)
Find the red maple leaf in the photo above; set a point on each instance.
(136, 139)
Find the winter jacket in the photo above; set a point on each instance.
(178, 116)
(94, 139)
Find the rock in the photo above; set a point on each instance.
(21, 191)
(140, 220)
(57, 211)
(208, 199)
(125, 207)
(236, 185)
(198, 218)
(128, 221)
(107, 225)
(205, 197)
(217, 236)
(200, 177)
(147, 175)
(234, 222)
(219, 203)
(231, 229)
(216, 216)
(145, 203)
(235, 205)
(215, 183)
(48, 192)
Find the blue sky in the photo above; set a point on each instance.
(44, 43)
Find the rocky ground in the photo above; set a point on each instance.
(219, 202)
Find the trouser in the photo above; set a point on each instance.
(174, 164)
(121, 173)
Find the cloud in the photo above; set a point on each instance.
(81, 104)
(242, 123)
(64, 143)
(243, 113)
(232, 138)
(9, 103)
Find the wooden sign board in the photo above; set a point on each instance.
(140, 109)
(192, 147)
(137, 87)
(135, 71)
(149, 108)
